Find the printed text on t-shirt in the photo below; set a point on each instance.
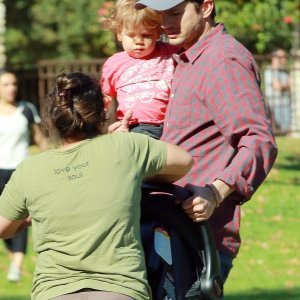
(73, 172)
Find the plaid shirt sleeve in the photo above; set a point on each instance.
(232, 95)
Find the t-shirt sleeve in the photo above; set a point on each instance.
(30, 112)
(12, 200)
(108, 77)
(148, 154)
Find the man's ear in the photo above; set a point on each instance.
(207, 7)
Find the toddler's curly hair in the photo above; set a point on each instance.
(124, 15)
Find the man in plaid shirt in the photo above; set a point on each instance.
(217, 113)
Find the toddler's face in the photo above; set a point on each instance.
(139, 43)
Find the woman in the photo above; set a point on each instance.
(84, 197)
(17, 121)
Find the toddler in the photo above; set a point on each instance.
(138, 78)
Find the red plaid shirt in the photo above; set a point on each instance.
(217, 113)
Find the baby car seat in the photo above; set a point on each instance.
(181, 258)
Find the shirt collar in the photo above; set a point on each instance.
(196, 50)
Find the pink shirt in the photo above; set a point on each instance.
(141, 85)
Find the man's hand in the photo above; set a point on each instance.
(201, 205)
(122, 125)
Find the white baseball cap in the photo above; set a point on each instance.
(157, 4)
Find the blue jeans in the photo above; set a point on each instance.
(154, 131)
(226, 265)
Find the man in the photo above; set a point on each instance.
(217, 113)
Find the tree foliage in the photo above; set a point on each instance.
(261, 25)
(68, 29)
(64, 29)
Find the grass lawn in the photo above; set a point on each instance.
(268, 264)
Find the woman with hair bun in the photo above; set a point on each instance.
(83, 198)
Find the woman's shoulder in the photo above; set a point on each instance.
(127, 137)
(34, 162)
(134, 141)
(38, 157)
(122, 140)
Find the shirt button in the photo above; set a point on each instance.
(167, 124)
(172, 95)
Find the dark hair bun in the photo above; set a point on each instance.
(76, 107)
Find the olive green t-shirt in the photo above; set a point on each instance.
(85, 207)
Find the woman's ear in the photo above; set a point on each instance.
(206, 8)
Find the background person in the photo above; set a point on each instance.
(138, 78)
(86, 210)
(278, 90)
(18, 120)
(217, 113)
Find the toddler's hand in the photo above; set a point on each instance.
(122, 125)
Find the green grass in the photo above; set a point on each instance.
(20, 290)
(268, 264)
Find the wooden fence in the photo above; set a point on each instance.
(28, 85)
(49, 69)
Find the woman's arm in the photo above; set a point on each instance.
(9, 228)
(178, 164)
